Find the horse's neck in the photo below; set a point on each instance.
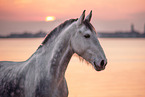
(60, 61)
(55, 56)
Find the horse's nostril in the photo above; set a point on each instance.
(102, 63)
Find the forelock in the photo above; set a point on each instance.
(88, 25)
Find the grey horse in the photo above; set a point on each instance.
(43, 74)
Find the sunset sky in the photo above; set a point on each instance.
(108, 15)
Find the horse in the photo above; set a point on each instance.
(43, 74)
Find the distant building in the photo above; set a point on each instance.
(144, 28)
(144, 31)
(132, 28)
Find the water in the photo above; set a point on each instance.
(123, 76)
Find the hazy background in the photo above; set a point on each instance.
(108, 15)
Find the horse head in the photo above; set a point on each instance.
(86, 44)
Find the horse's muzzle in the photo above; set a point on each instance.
(101, 66)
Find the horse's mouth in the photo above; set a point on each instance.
(98, 68)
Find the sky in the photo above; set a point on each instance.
(108, 15)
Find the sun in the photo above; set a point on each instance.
(50, 18)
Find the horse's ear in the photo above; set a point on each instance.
(81, 19)
(88, 18)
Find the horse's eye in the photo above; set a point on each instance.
(87, 36)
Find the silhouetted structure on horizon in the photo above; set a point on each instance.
(144, 28)
(131, 34)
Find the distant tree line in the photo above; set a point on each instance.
(25, 35)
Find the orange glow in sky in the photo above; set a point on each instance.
(36, 10)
